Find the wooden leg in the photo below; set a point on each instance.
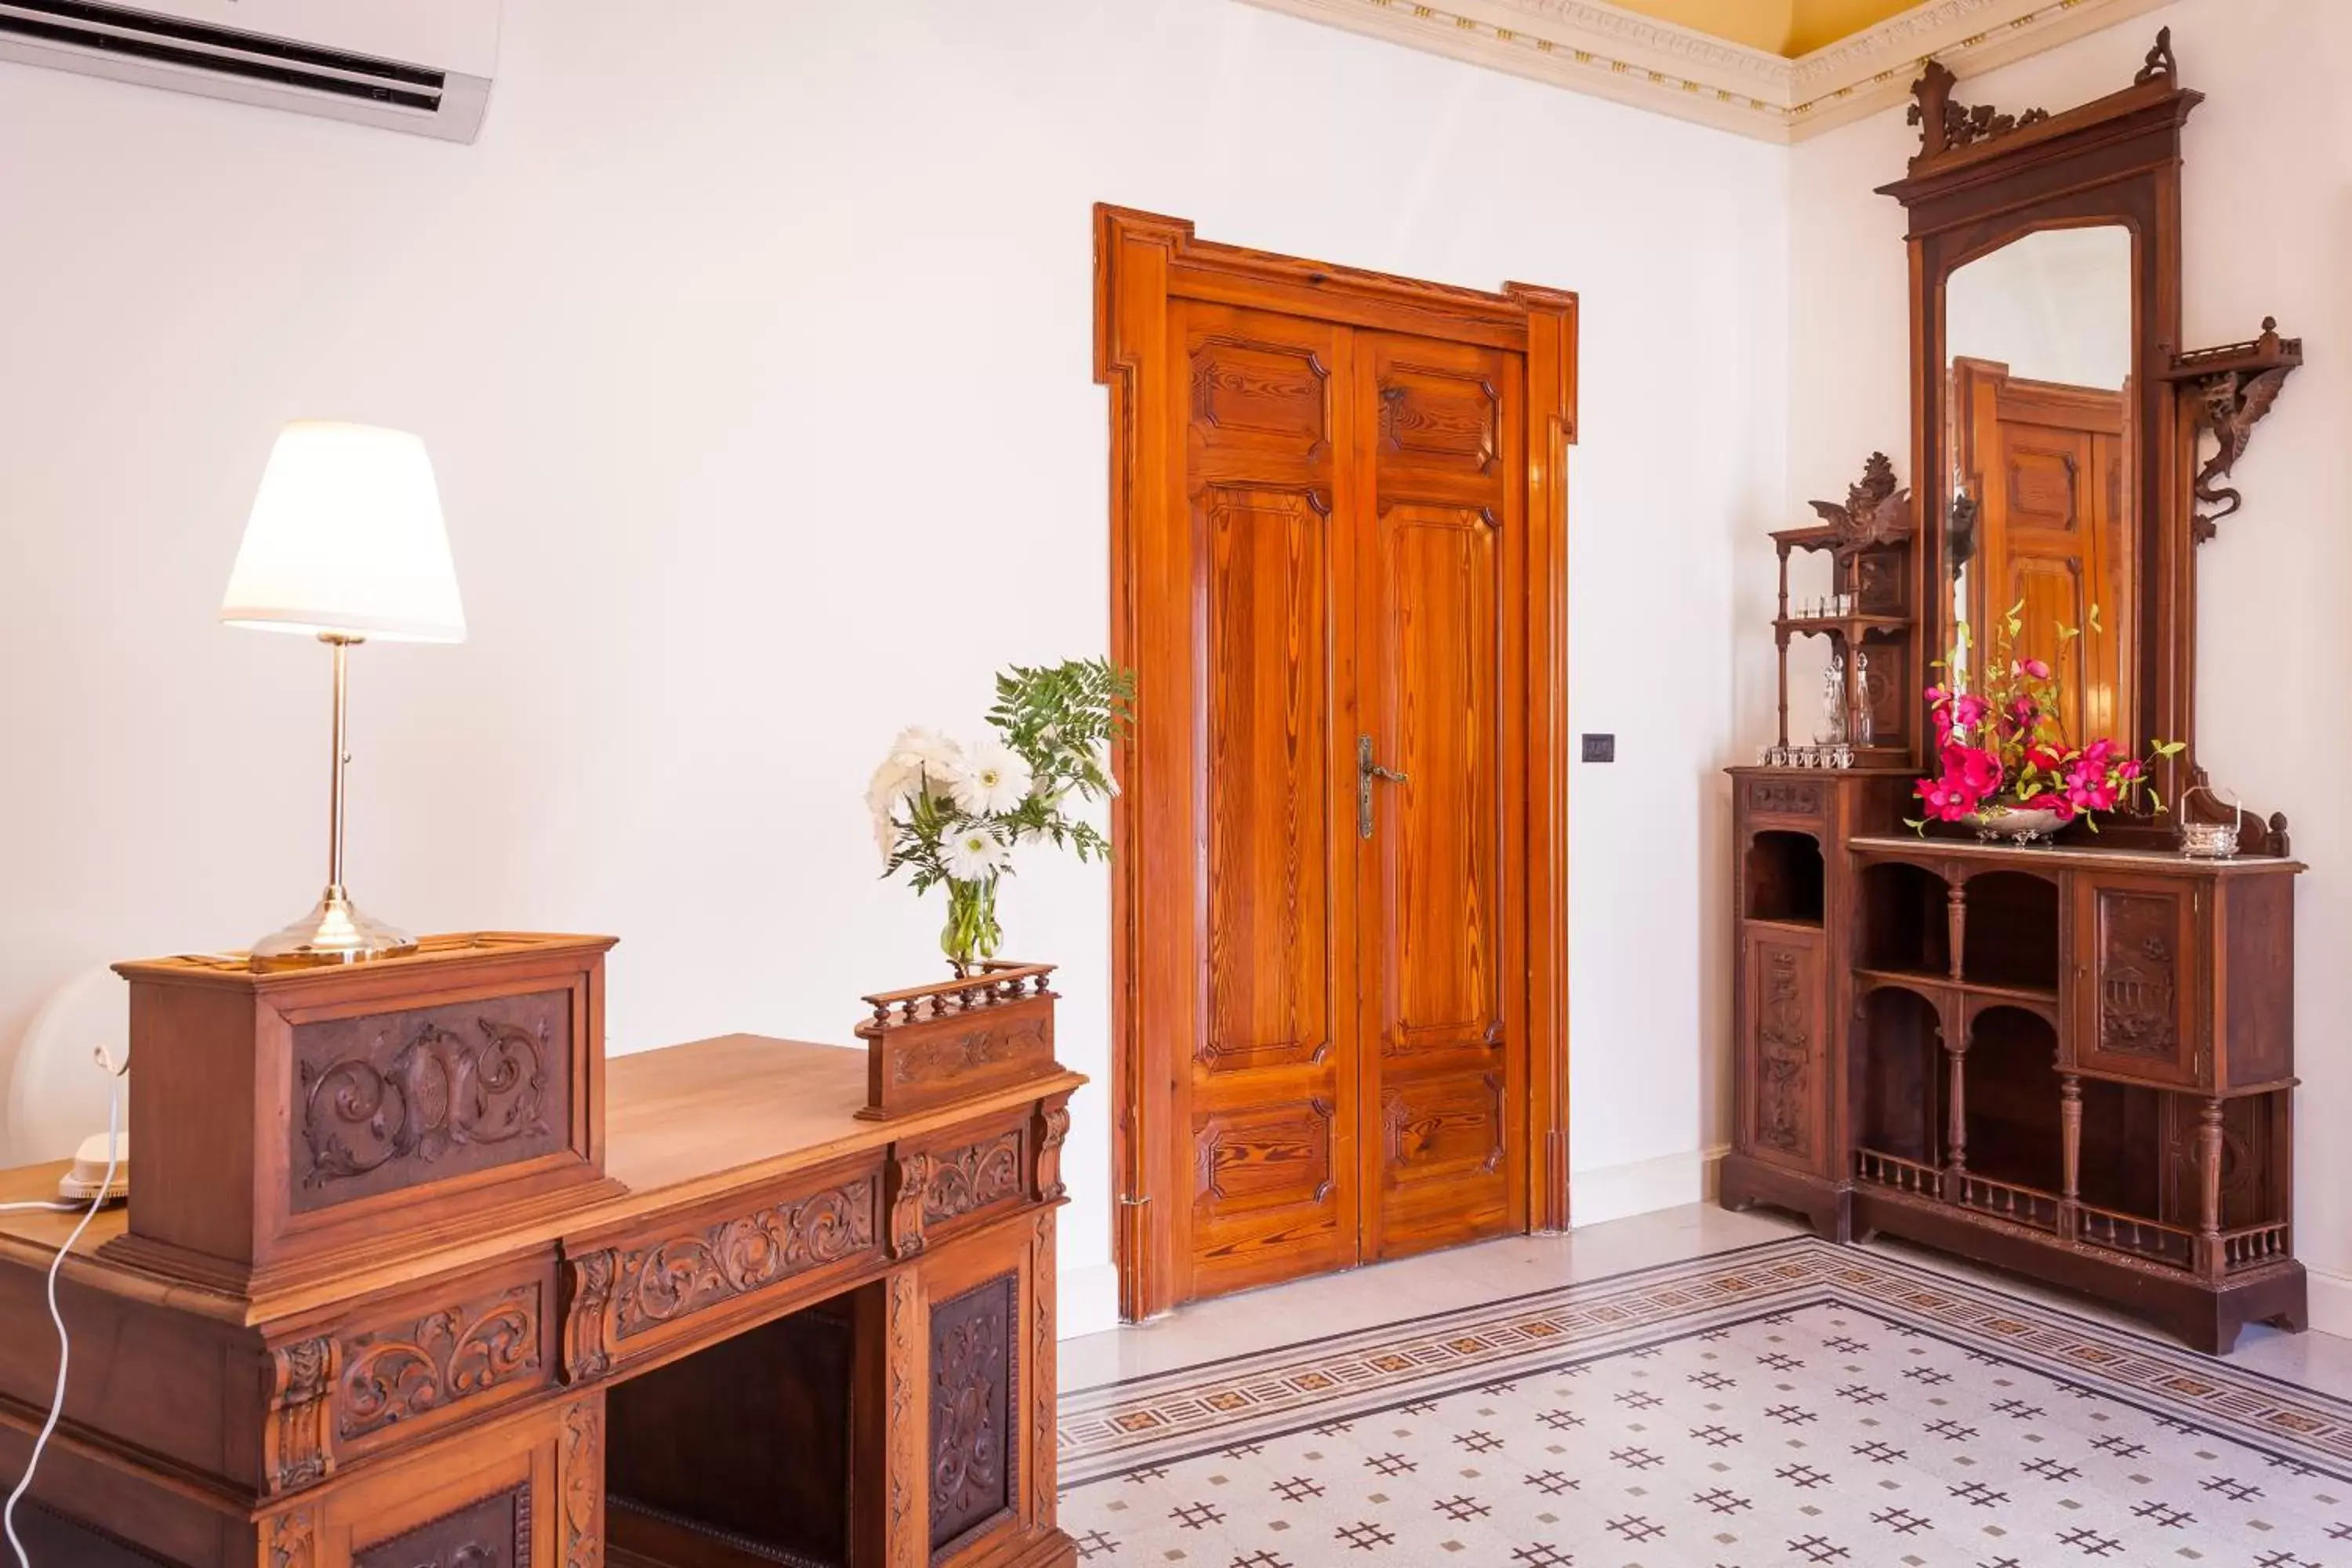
(2209, 1192)
(2070, 1125)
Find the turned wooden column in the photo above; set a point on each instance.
(2070, 1144)
(2209, 1192)
(1955, 917)
(1781, 640)
(1956, 1131)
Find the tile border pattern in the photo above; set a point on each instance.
(1157, 1419)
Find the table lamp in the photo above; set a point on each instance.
(346, 544)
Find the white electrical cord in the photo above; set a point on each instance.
(65, 1346)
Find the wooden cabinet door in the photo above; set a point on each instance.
(2136, 992)
(1267, 1097)
(1784, 1050)
(1440, 979)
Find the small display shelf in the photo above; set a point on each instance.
(1869, 619)
(1907, 923)
(2011, 937)
(1786, 878)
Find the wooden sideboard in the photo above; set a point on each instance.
(727, 1320)
(2074, 1062)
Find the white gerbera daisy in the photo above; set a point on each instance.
(994, 778)
(933, 758)
(894, 780)
(971, 852)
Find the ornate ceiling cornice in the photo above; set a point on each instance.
(1591, 47)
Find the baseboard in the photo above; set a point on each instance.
(1617, 1192)
(1085, 1300)
(2331, 1302)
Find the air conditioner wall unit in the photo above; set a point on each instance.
(420, 65)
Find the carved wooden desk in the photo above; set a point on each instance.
(798, 1337)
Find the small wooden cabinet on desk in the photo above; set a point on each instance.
(449, 1291)
(2077, 1063)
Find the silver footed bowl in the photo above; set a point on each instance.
(2016, 823)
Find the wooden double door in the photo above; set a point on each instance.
(1354, 1095)
(1334, 676)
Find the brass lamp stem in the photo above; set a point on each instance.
(335, 931)
(341, 643)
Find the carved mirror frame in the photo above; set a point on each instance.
(1984, 179)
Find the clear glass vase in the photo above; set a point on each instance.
(971, 933)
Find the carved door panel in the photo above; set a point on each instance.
(2047, 463)
(2136, 1012)
(1440, 982)
(1783, 1100)
(1268, 1092)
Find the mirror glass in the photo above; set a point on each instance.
(2039, 357)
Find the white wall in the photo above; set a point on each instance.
(755, 358)
(2268, 228)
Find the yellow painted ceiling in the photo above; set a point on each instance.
(1789, 27)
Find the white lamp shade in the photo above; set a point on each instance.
(346, 536)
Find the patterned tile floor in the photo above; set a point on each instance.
(1785, 1403)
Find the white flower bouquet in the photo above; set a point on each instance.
(946, 813)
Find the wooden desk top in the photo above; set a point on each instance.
(682, 1123)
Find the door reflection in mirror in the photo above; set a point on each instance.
(2039, 359)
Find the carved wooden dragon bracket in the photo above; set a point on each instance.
(2227, 391)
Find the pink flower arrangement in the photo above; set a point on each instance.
(2002, 748)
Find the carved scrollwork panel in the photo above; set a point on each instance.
(964, 1181)
(398, 1372)
(683, 1275)
(949, 1054)
(388, 1101)
(975, 1448)
(1784, 1050)
(1783, 797)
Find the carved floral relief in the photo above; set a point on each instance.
(667, 1281)
(394, 1374)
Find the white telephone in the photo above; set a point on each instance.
(87, 1179)
(56, 1106)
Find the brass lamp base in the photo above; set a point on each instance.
(334, 931)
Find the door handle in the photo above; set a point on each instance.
(1367, 771)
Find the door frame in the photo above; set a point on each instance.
(1141, 261)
